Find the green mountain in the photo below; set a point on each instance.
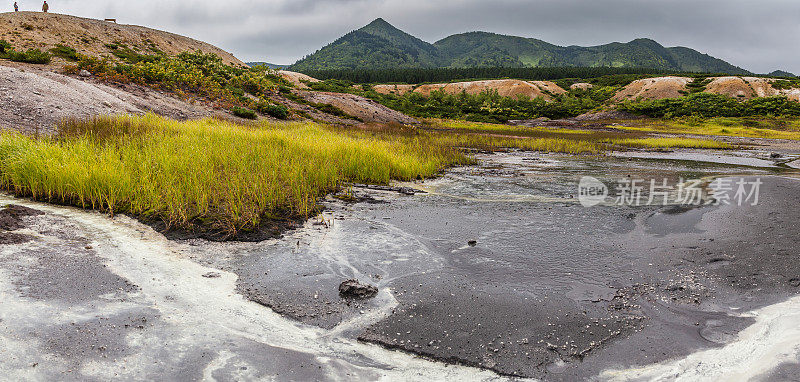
(781, 73)
(380, 45)
(267, 64)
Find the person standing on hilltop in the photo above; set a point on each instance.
(45, 7)
(16, 7)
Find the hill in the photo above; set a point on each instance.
(36, 30)
(781, 73)
(267, 64)
(380, 45)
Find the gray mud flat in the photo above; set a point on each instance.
(495, 273)
(549, 289)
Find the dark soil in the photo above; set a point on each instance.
(11, 217)
(267, 229)
(7, 238)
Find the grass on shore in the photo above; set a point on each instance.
(227, 178)
(670, 143)
(497, 128)
(562, 140)
(731, 127)
(222, 176)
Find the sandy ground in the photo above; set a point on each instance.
(393, 89)
(672, 87)
(365, 109)
(653, 88)
(749, 88)
(34, 100)
(581, 85)
(297, 79)
(36, 30)
(505, 88)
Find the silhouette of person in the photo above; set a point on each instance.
(16, 7)
(45, 7)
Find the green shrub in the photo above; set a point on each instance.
(277, 111)
(65, 52)
(243, 113)
(196, 73)
(5, 47)
(712, 105)
(31, 56)
(332, 110)
(786, 84)
(336, 86)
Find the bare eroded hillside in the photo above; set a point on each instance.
(35, 30)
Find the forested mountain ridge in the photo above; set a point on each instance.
(380, 45)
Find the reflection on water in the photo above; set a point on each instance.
(532, 177)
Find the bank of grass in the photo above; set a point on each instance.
(207, 174)
(498, 142)
(215, 176)
(770, 128)
(670, 143)
(563, 140)
(493, 127)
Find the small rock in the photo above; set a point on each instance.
(775, 155)
(406, 191)
(212, 275)
(84, 73)
(472, 243)
(354, 289)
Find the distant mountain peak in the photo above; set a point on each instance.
(782, 73)
(380, 24)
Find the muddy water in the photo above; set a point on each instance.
(547, 289)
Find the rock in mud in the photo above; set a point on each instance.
(355, 290)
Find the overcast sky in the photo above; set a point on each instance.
(758, 35)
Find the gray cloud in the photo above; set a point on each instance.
(759, 36)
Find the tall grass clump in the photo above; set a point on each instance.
(206, 174)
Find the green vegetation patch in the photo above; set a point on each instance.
(65, 52)
(244, 113)
(191, 73)
(31, 56)
(273, 110)
(709, 105)
(208, 173)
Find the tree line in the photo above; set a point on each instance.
(423, 75)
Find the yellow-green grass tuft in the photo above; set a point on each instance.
(222, 176)
(664, 143)
(732, 127)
